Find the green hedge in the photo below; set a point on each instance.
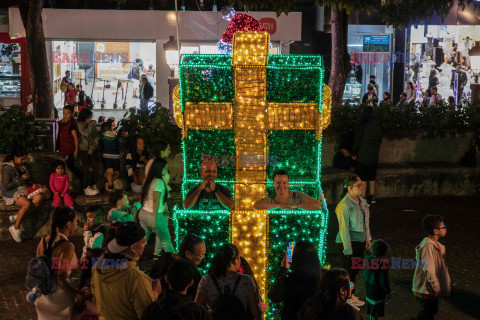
(18, 129)
(152, 125)
(435, 120)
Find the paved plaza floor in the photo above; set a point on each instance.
(397, 221)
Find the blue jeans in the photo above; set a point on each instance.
(87, 72)
(143, 104)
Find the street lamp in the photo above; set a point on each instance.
(172, 54)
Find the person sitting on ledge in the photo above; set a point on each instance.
(284, 198)
(208, 195)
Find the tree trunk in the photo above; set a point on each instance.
(340, 57)
(31, 13)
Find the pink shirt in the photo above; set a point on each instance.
(59, 183)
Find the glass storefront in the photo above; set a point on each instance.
(109, 72)
(370, 48)
(10, 70)
(435, 53)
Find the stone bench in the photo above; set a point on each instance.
(408, 180)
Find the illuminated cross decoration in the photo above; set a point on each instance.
(251, 117)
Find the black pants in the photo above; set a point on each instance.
(90, 168)
(358, 251)
(71, 166)
(429, 309)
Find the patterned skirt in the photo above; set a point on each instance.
(20, 192)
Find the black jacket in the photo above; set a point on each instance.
(160, 268)
(147, 91)
(366, 144)
(293, 290)
(178, 306)
(314, 309)
(462, 79)
(374, 99)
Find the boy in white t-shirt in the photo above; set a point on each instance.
(29, 106)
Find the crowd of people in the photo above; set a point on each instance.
(113, 287)
(91, 152)
(428, 97)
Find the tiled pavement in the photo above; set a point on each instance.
(397, 221)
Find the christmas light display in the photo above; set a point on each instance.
(237, 22)
(256, 104)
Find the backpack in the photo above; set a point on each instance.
(227, 306)
(40, 273)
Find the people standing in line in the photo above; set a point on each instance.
(16, 178)
(146, 92)
(377, 285)
(208, 195)
(223, 274)
(435, 98)
(426, 97)
(410, 92)
(370, 97)
(59, 303)
(374, 82)
(296, 287)
(432, 79)
(192, 248)
(153, 215)
(29, 111)
(59, 184)
(283, 198)
(366, 149)
(110, 148)
(387, 98)
(331, 301)
(353, 214)
(175, 302)
(88, 153)
(431, 278)
(68, 140)
(462, 82)
(124, 291)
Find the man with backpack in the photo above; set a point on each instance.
(175, 304)
(122, 291)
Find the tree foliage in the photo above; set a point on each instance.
(398, 13)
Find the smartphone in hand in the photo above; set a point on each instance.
(290, 247)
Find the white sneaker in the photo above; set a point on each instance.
(95, 190)
(89, 191)
(356, 302)
(13, 218)
(15, 233)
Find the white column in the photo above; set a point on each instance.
(162, 75)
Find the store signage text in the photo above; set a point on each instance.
(269, 24)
